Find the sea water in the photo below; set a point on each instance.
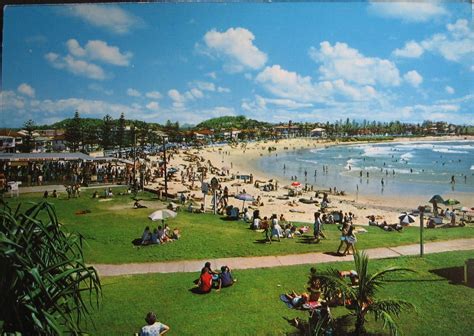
(396, 168)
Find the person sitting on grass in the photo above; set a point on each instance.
(246, 217)
(146, 236)
(352, 275)
(153, 328)
(225, 277)
(175, 235)
(55, 194)
(205, 281)
(154, 237)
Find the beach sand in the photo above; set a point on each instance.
(243, 159)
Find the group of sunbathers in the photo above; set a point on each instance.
(159, 235)
(384, 225)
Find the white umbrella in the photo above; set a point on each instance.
(162, 214)
(406, 218)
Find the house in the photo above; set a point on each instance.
(59, 143)
(318, 132)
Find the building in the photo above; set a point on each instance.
(318, 132)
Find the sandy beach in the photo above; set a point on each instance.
(241, 160)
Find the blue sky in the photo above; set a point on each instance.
(188, 62)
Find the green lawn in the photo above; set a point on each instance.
(111, 226)
(252, 306)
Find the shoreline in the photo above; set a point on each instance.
(244, 161)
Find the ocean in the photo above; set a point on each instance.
(395, 169)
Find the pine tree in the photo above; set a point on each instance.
(107, 136)
(28, 141)
(120, 139)
(73, 134)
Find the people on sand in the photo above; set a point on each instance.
(153, 327)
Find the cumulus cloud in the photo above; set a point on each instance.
(343, 62)
(26, 90)
(223, 89)
(75, 66)
(153, 95)
(290, 85)
(235, 46)
(109, 17)
(408, 11)
(456, 44)
(133, 92)
(153, 106)
(99, 51)
(449, 89)
(205, 86)
(411, 50)
(177, 98)
(413, 78)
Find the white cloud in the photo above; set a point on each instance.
(110, 17)
(177, 98)
(153, 95)
(223, 89)
(75, 66)
(100, 88)
(75, 48)
(196, 93)
(205, 86)
(411, 50)
(212, 75)
(26, 90)
(99, 51)
(449, 89)
(457, 45)
(259, 104)
(343, 62)
(133, 93)
(413, 78)
(408, 11)
(236, 47)
(290, 85)
(153, 106)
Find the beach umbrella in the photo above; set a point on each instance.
(162, 214)
(464, 210)
(436, 198)
(244, 197)
(406, 218)
(296, 184)
(451, 201)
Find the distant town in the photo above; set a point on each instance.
(89, 135)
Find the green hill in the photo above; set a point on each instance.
(239, 122)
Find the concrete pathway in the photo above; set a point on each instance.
(284, 260)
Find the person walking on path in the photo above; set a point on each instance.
(351, 240)
(344, 231)
(317, 227)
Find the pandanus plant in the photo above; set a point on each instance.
(45, 285)
(362, 297)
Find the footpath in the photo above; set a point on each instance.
(283, 260)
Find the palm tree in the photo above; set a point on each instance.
(43, 275)
(363, 297)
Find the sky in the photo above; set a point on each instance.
(188, 62)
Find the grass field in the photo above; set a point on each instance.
(111, 226)
(252, 306)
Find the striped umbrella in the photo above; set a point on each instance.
(406, 218)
